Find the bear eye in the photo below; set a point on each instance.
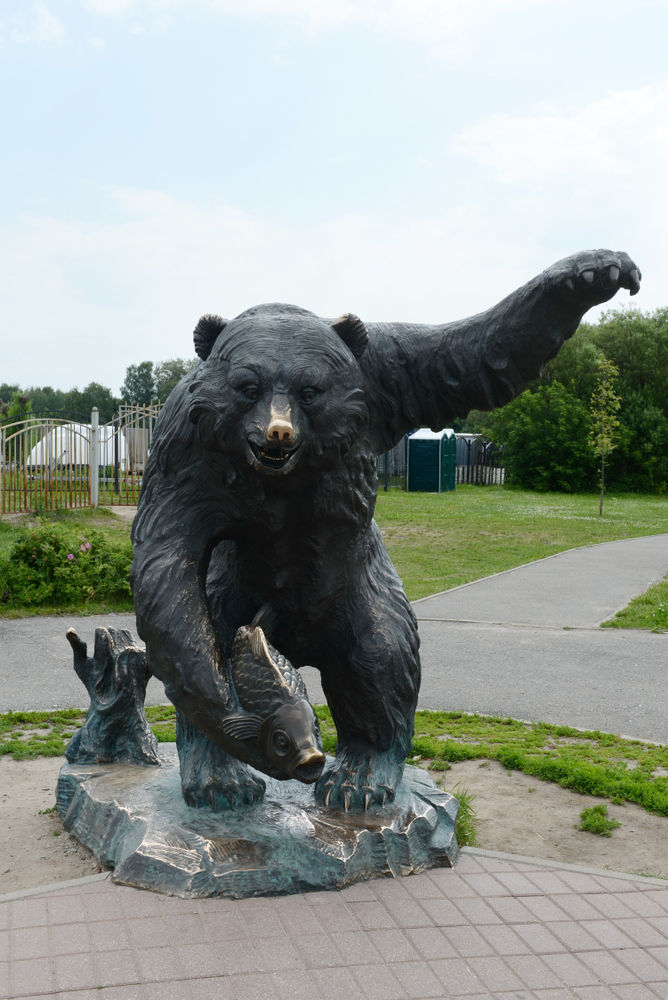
(251, 392)
(308, 394)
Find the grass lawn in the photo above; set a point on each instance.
(648, 611)
(592, 763)
(440, 540)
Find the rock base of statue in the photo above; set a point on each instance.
(135, 821)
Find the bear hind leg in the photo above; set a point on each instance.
(371, 681)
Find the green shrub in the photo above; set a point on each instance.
(51, 565)
(596, 820)
(545, 440)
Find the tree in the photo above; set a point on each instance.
(94, 394)
(46, 398)
(545, 440)
(637, 343)
(18, 407)
(139, 385)
(169, 373)
(603, 413)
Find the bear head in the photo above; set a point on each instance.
(279, 388)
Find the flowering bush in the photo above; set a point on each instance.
(56, 566)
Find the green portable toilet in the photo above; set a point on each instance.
(432, 461)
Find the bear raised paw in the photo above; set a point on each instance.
(260, 489)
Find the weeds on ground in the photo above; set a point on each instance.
(592, 763)
(25, 735)
(648, 611)
(467, 819)
(596, 820)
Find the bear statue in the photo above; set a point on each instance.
(260, 490)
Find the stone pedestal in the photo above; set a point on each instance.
(134, 819)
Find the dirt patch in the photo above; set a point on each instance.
(538, 823)
(523, 815)
(35, 850)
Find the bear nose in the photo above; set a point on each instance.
(280, 430)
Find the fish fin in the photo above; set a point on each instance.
(260, 646)
(242, 726)
(266, 619)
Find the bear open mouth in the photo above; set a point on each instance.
(273, 458)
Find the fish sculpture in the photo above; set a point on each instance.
(277, 715)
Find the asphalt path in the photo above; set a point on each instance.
(522, 643)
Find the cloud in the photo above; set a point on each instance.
(594, 176)
(85, 301)
(619, 138)
(37, 26)
(444, 23)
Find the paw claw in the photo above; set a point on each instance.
(613, 275)
(367, 801)
(588, 276)
(347, 798)
(327, 796)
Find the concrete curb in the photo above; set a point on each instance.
(563, 866)
(480, 852)
(39, 890)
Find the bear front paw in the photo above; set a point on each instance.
(359, 779)
(210, 777)
(228, 788)
(594, 276)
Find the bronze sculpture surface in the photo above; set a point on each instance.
(256, 553)
(260, 489)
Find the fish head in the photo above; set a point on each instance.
(290, 739)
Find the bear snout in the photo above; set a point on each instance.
(280, 430)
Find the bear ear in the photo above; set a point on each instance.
(352, 332)
(206, 332)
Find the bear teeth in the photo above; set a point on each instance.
(276, 457)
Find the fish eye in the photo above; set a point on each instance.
(281, 742)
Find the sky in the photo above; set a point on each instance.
(399, 159)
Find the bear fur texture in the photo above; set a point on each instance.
(260, 489)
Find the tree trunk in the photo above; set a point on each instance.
(600, 506)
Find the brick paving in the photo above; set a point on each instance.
(489, 930)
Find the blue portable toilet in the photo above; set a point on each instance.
(432, 461)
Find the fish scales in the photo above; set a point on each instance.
(263, 691)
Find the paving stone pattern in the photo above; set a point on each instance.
(488, 929)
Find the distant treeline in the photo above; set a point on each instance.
(143, 384)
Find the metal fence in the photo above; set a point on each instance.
(478, 461)
(392, 466)
(44, 462)
(56, 460)
(123, 449)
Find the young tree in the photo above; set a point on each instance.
(604, 406)
(139, 385)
